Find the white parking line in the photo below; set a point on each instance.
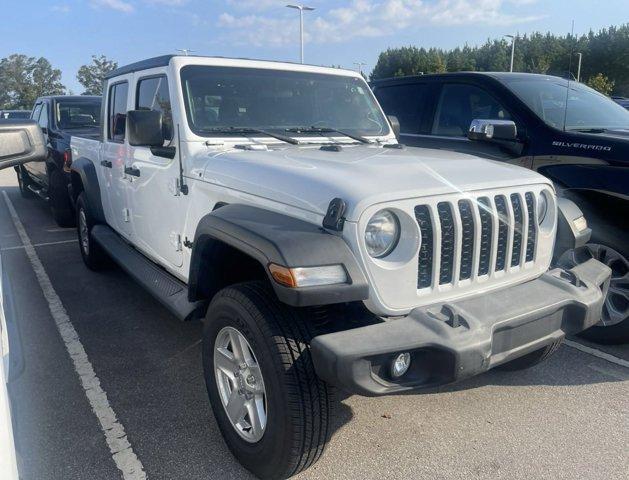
(597, 353)
(45, 244)
(119, 446)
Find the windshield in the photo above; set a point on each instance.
(77, 114)
(221, 98)
(587, 109)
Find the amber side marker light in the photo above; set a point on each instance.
(308, 276)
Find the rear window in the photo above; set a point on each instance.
(77, 114)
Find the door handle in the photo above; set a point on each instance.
(106, 163)
(134, 172)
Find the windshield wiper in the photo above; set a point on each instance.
(358, 138)
(279, 136)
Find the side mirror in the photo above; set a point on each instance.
(395, 125)
(21, 141)
(488, 130)
(144, 128)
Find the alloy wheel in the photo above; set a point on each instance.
(616, 307)
(240, 384)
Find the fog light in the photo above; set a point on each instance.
(400, 364)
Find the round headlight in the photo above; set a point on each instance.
(382, 233)
(542, 207)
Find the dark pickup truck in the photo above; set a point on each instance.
(59, 117)
(522, 119)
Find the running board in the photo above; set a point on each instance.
(40, 192)
(170, 291)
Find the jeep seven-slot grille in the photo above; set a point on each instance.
(447, 242)
(530, 241)
(473, 236)
(424, 277)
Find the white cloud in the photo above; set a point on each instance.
(60, 8)
(168, 3)
(119, 5)
(369, 18)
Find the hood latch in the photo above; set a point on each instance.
(335, 217)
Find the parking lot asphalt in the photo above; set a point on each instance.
(567, 418)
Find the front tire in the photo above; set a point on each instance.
(530, 359)
(59, 200)
(92, 253)
(294, 413)
(613, 329)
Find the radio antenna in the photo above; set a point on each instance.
(565, 112)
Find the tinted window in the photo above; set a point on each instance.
(117, 111)
(219, 98)
(587, 109)
(460, 104)
(406, 102)
(153, 95)
(36, 112)
(43, 117)
(77, 114)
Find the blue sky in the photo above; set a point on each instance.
(68, 32)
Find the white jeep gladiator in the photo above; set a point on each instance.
(273, 201)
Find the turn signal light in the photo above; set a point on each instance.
(308, 276)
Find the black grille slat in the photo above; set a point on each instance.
(518, 221)
(424, 277)
(503, 232)
(486, 225)
(467, 239)
(532, 231)
(446, 220)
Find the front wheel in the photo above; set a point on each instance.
(614, 325)
(59, 200)
(92, 253)
(272, 409)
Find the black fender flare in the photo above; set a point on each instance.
(84, 178)
(272, 237)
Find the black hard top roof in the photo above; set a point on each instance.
(500, 76)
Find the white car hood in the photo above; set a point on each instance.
(362, 175)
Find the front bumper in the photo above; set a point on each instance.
(455, 340)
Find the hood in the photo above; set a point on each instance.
(362, 175)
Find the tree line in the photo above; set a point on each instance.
(605, 58)
(23, 79)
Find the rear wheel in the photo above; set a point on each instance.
(530, 359)
(92, 253)
(614, 325)
(23, 182)
(59, 200)
(272, 409)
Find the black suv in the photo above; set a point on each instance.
(522, 119)
(59, 117)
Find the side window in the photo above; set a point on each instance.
(117, 111)
(406, 102)
(152, 94)
(43, 117)
(459, 104)
(36, 112)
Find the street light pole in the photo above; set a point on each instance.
(360, 66)
(512, 37)
(301, 9)
(579, 67)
